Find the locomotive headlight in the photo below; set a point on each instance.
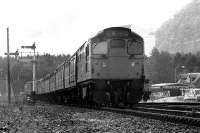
(133, 64)
(104, 64)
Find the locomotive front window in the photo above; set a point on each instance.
(135, 47)
(100, 48)
(117, 43)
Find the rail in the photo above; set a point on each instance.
(180, 114)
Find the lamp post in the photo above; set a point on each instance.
(175, 71)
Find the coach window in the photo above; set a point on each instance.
(87, 51)
(86, 58)
(100, 48)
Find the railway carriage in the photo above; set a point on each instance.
(52, 80)
(46, 84)
(67, 75)
(106, 69)
(39, 87)
(59, 77)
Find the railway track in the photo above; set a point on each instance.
(184, 113)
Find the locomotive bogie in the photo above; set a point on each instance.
(117, 92)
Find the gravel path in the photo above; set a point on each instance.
(59, 119)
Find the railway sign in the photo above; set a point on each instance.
(15, 53)
(29, 47)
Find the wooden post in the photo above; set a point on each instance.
(8, 68)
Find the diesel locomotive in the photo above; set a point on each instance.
(108, 69)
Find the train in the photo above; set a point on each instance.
(108, 69)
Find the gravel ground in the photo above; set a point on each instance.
(59, 119)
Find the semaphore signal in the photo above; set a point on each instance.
(33, 47)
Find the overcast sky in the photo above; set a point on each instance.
(62, 26)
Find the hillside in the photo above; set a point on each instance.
(182, 32)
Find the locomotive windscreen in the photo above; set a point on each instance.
(135, 47)
(117, 43)
(100, 47)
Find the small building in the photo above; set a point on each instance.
(185, 82)
(191, 79)
(166, 90)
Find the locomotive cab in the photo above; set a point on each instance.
(117, 65)
(118, 56)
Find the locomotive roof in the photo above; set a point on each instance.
(101, 33)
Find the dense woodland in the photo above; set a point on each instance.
(179, 37)
(22, 71)
(161, 66)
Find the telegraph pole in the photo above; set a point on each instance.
(34, 67)
(8, 67)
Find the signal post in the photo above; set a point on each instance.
(33, 47)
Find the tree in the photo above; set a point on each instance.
(22, 72)
(160, 67)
